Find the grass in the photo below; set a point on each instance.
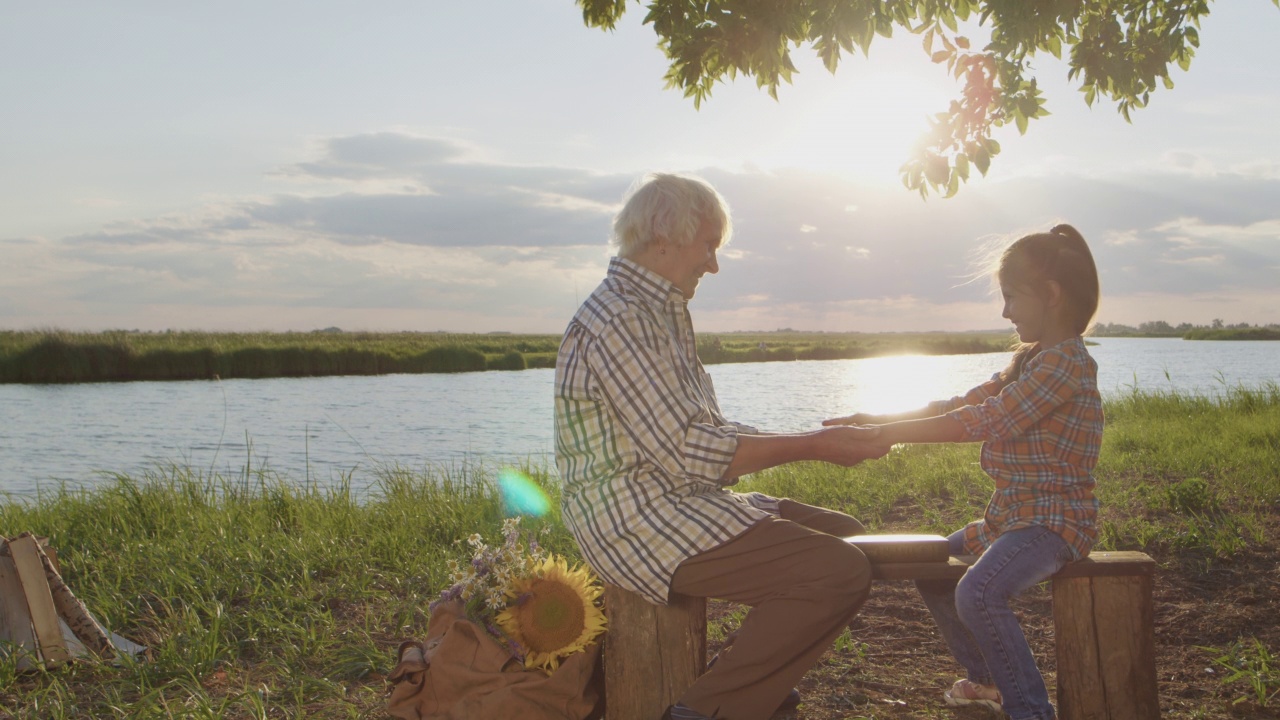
(260, 597)
(54, 356)
(1251, 667)
(1270, 332)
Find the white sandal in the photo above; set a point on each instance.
(967, 692)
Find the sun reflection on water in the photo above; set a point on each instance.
(896, 383)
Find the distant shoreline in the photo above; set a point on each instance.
(43, 357)
(53, 356)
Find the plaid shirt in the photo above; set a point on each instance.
(641, 443)
(1041, 434)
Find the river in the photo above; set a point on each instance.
(320, 429)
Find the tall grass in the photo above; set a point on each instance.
(56, 357)
(261, 596)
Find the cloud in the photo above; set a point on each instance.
(427, 229)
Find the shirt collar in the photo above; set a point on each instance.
(648, 284)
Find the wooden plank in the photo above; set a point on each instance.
(73, 612)
(1110, 564)
(15, 622)
(952, 569)
(1099, 564)
(652, 653)
(890, 548)
(39, 600)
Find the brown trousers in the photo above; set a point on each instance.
(803, 584)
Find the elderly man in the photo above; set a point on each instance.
(645, 456)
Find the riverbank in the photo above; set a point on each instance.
(259, 598)
(115, 356)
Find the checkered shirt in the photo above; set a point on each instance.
(1042, 434)
(641, 443)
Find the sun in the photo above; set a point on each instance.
(552, 613)
(896, 383)
(861, 123)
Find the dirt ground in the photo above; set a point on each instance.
(897, 665)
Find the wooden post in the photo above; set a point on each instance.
(1104, 629)
(652, 653)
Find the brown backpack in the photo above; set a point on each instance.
(460, 672)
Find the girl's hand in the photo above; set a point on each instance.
(854, 419)
(849, 446)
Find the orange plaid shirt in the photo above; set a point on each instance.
(1041, 436)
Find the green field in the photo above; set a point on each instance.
(259, 598)
(62, 357)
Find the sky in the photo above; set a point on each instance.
(432, 165)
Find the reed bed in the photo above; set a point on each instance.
(263, 597)
(1269, 332)
(53, 356)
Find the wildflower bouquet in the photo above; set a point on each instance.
(531, 600)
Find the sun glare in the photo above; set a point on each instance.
(862, 124)
(897, 383)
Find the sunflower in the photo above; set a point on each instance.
(552, 613)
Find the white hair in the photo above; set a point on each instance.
(662, 205)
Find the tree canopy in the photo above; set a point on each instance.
(1118, 50)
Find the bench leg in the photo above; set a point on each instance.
(1104, 629)
(652, 654)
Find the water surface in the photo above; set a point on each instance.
(320, 429)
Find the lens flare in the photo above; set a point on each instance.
(520, 495)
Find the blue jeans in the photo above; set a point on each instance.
(974, 618)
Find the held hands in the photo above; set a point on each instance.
(848, 446)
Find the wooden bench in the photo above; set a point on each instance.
(1103, 622)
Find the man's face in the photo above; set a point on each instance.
(689, 263)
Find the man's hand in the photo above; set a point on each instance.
(848, 445)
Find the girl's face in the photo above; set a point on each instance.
(1027, 310)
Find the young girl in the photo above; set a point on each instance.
(1040, 420)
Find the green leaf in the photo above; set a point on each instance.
(982, 160)
(936, 169)
(940, 56)
(953, 185)
(1054, 45)
(962, 166)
